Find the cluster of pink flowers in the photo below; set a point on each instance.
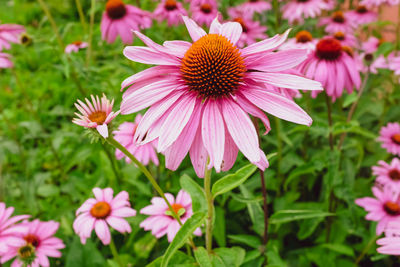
(9, 33)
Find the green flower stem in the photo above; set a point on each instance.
(89, 50)
(114, 166)
(366, 249)
(115, 254)
(81, 15)
(210, 207)
(52, 22)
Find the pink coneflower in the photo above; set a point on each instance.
(9, 33)
(204, 11)
(390, 138)
(171, 11)
(102, 212)
(361, 15)
(345, 39)
(371, 45)
(338, 22)
(302, 40)
(391, 242)
(75, 46)
(120, 19)
(124, 135)
(298, 10)
(378, 3)
(393, 63)
(35, 245)
(201, 92)
(96, 114)
(5, 61)
(333, 67)
(161, 222)
(8, 227)
(388, 174)
(254, 6)
(382, 209)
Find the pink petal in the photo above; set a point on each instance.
(194, 30)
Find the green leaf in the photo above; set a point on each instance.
(250, 240)
(84, 255)
(202, 258)
(284, 216)
(183, 234)
(228, 257)
(48, 190)
(307, 227)
(255, 211)
(178, 259)
(219, 226)
(144, 245)
(339, 248)
(195, 191)
(230, 181)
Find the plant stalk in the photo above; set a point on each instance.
(81, 15)
(115, 253)
(210, 207)
(89, 50)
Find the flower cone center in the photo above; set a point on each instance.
(302, 1)
(394, 174)
(170, 5)
(348, 50)
(329, 49)
(98, 116)
(339, 36)
(362, 9)
(78, 43)
(115, 9)
(253, 1)
(396, 138)
(338, 17)
(303, 37)
(26, 253)
(392, 208)
(176, 207)
(100, 210)
(32, 239)
(206, 8)
(213, 66)
(242, 23)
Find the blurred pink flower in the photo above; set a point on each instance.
(102, 212)
(371, 45)
(161, 222)
(390, 138)
(338, 22)
(303, 40)
(75, 46)
(5, 61)
(384, 208)
(8, 227)
(378, 3)
(9, 33)
(204, 11)
(388, 174)
(333, 67)
(35, 245)
(171, 11)
(96, 114)
(391, 242)
(254, 6)
(120, 19)
(298, 10)
(393, 62)
(124, 135)
(361, 15)
(346, 39)
(203, 110)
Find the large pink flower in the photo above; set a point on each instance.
(390, 138)
(9, 33)
(101, 212)
(338, 22)
(388, 174)
(201, 92)
(96, 114)
(333, 67)
(75, 46)
(298, 10)
(361, 15)
(8, 227)
(391, 242)
(204, 11)
(5, 61)
(120, 19)
(171, 11)
(384, 208)
(124, 135)
(161, 222)
(35, 245)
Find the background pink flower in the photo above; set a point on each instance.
(361, 15)
(254, 6)
(298, 10)
(391, 242)
(171, 11)
(390, 138)
(388, 174)
(5, 61)
(102, 212)
(338, 22)
(204, 11)
(9, 33)
(75, 46)
(302, 40)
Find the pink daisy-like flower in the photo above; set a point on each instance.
(391, 242)
(333, 67)
(393, 63)
(171, 11)
(5, 61)
(346, 39)
(390, 138)
(201, 92)
(9, 33)
(8, 227)
(361, 15)
(251, 30)
(388, 174)
(96, 114)
(75, 46)
(204, 11)
(371, 45)
(35, 245)
(303, 40)
(254, 6)
(384, 208)
(161, 222)
(338, 22)
(102, 212)
(124, 135)
(298, 10)
(120, 19)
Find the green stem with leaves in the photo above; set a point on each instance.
(115, 254)
(210, 207)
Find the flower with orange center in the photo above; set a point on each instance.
(392, 208)
(396, 138)
(361, 9)
(115, 9)
(171, 11)
(206, 8)
(389, 135)
(170, 5)
(394, 174)
(176, 207)
(348, 50)
(388, 174)
(338, 17)
(32, 239)
(339, 36)
(75, 46)
(329, 49)
(100, 210)
(339, 22)
(303, 37)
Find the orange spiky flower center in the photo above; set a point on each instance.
(392, 208)
(100, 210)
(303, 37)
(339, 36)
(98, 117)
(361, 9)
(206, 8)
(338, 17)
(329, 49)
(115, 9)
(77, 43)
(396, 138)
(32, 239)
(213, 66)
(170, 5)
(177, 207)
